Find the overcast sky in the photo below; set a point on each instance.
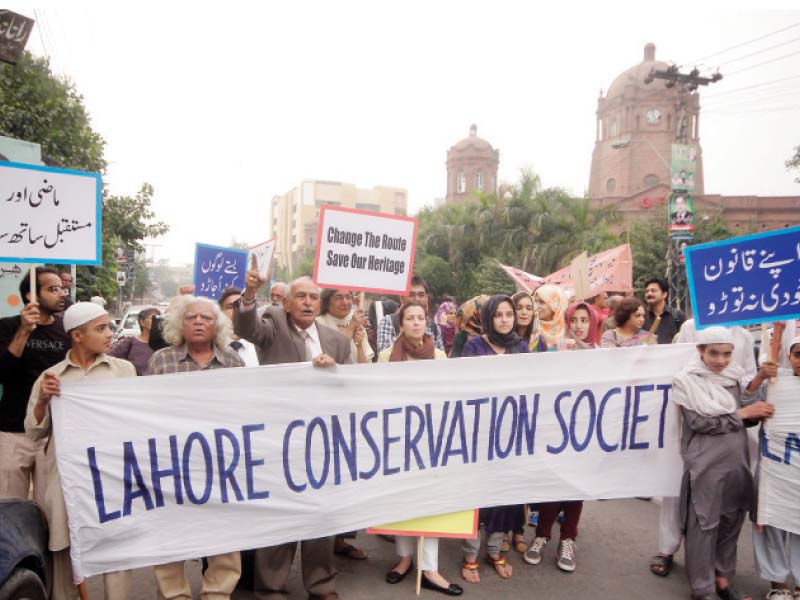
(222, 109)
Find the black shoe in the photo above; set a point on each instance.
(451, 590)
(396, 576)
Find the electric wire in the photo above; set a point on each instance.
(758, 39)
(757, 52)
(761, 64)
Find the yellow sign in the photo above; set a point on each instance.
(463, 524)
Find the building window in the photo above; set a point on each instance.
(368, 206)
(461, 183)
(611, 185)
(613, 130)
(479, 181)
(319, 203)
(650, 180)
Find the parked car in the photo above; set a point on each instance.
(23, 551)
(129, 323)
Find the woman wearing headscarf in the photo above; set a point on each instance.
(551, 303)
(412, 343)
(629, 317)
(717, 487)
(526, 314)
(446, 320)
(336, 312)
(499, 320)
(581, 321)
(468, 323)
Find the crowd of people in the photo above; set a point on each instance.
(719, 394)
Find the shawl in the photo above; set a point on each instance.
(701, 390)
(448, 330)
(588, 341)
(405, 349)
(556, 299)
(468, 316)
(510, 341)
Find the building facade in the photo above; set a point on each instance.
(295, 215)
(472, 166)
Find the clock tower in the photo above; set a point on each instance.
(637, 123)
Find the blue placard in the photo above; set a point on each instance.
(216, 268)
(749, 279)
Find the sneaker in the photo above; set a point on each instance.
(534, 554)
(566, 555)
(780, 595)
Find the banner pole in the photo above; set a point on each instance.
(420, 544)
(775, 344)
(33, 283)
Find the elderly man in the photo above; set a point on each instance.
(198, 334)
(87, 326)
(283, 335)
(389, 326)
(29, 343)
(277, 293)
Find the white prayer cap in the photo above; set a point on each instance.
(714, 335)
(81, 313)
(795, 341)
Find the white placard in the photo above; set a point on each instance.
(365, 251)
(779, 466)
(49, 215)
(164, 468)
(263, 253)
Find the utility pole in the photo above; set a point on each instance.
(686, 83)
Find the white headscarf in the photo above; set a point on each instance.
(699, 389)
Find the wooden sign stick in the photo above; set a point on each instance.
(420, 544)
(652, 334)
(33, 284)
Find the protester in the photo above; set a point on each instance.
(337, 313)
(389, 327)
(29, 343)
(551, 302)
(98, 299)
(198, 334)
(499, 319)
(777, 552)
(136, 349)
(670, 527)
(788, 331)
(446, 320)
(523, 302)
(66, 287)
(87, 324)
(656, 294)
(376, 312)
(286, 335)
(581, 322)
(246, 350)
(599, 304)
(468, 323)
(277, 293)
(413, 343)
(717, 487)
(629, 317)
(609, 322)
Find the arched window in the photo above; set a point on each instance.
(613, 130)
(479, 181)
(461, 183)
(611, 185)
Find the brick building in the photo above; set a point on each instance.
(471, 167)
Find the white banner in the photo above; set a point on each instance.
(49, 215)
(779, 475)
(163, 468)
(364, 251)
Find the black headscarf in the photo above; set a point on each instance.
(511, 340)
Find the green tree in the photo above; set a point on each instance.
(436, 272)
(39, 107)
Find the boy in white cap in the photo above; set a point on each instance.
(87, 325)
(717, 487)
(777, 552)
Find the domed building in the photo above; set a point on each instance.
(471, 167)
(637, 123)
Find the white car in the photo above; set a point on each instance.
(129, 323)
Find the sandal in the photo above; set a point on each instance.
(351, 552)
(470, 567)
(506, 546)
(520, 545)
(500, 565)
(731, 593)
(661, 565)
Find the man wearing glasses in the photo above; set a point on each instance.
(389, 327)
(30, 343)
